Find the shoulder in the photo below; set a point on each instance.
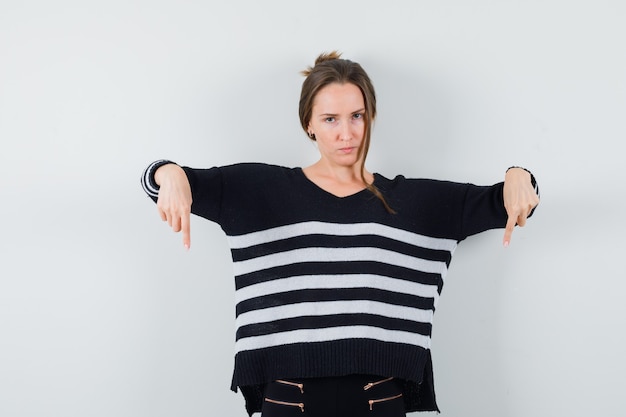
(257, 176)
(426, 197)
(400, 185)
(244, 168)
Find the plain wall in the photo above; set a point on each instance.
(102, 311)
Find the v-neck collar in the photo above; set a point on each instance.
(322, 190)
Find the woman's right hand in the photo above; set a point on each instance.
(174, 202)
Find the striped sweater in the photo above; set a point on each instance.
(330, 286)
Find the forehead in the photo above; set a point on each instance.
(337, 98)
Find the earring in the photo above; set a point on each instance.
(312, 136)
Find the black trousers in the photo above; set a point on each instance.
(346, 396)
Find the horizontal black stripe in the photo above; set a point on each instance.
(320, 322)
(334, 294)
(326, 241)
(338, 268)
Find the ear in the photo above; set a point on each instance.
(309, 131)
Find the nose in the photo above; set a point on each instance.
(345, 133)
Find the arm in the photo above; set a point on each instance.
(521, 196)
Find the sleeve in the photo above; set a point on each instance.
(206, 191)
(206, 188)
(483, 207)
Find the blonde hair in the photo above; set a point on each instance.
(331, 68)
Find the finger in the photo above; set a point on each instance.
(508, 231)
(186, 227)
(163, 215)
(176, 224)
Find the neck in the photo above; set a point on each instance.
(340, 174)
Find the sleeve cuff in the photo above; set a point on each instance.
(147, 178)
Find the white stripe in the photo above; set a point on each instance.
(336, 281)
(337, 229)
(146, 180)
(338, 255)
(329, 334)
(325, 308)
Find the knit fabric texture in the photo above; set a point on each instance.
(331, 286)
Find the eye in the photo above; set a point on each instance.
(329, 120)
(357, 116)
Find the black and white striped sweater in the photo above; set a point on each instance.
(329, 286)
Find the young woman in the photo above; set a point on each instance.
(337, 270)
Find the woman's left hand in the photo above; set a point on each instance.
(520, 199)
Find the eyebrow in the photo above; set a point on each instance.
(362, 110)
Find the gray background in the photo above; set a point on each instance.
(102, 311)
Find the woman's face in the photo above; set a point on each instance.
(338, 122)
